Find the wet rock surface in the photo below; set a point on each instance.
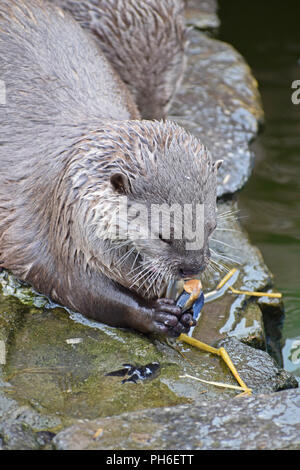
(269, 421)
(22, 428)
(55, 364)
(57, 367)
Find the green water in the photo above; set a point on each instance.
(268, 35)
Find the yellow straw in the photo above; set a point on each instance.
(219, 352)
(217, 384)
(226, 278)
(256, 294)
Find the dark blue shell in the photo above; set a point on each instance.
(183, 299)
(197, 306)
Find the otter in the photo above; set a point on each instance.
(144, 40)
(72, 148)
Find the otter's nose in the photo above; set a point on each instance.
(189, 272)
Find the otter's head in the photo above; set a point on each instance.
(162, 193)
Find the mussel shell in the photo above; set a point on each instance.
(174, 289)
(181, 302)
(197, 306)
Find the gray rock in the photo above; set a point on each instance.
(269, 421)
(258, 370)
(22, 428)
(219, 103)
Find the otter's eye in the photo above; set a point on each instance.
(164, 240)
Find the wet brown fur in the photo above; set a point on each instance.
(67, 127)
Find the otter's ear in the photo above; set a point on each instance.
(217, 164)
(120, 183)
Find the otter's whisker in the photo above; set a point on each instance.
(207, 273)
(139, 266)
(149, 275)
(124, 257)
(159, 278)
(219, 266)
(144, 272)
(226, 213)
(232, 260)
(133, 264)
(227, 217)
(121, 245)
(152, 280)
(153, 277)
(219, 255)
(220, 229)
(225, 244)
(163, 274)
(142, 268)
(210, 269)
(140, 275)
(215, 266)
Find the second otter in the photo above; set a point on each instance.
(71, 147)
(145, 42)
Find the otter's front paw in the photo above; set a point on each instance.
(168, 318)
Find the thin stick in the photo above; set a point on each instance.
(226, 278)
(223, 353)
(219, 352)
(198, 344)
(217, 384)
(272, 295)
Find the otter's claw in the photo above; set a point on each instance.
(169, 319)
